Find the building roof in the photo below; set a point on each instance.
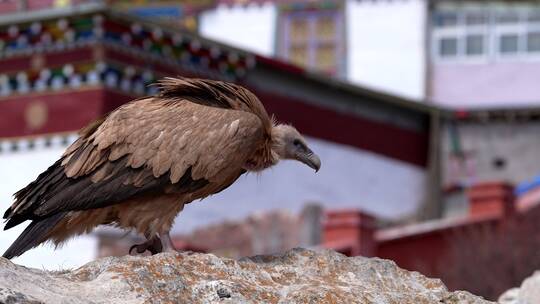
(321, 79)
(90, 52)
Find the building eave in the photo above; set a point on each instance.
(51, 13)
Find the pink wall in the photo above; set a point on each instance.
(486, 85)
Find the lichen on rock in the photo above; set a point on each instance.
(297, 276)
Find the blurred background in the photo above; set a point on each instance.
(425, 114)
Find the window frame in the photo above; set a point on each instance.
(284, 42)
(536, 30)
(519, 28)
(460, 31)
(492, 32)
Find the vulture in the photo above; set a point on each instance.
(139, 165)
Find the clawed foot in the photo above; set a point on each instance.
(153, 245)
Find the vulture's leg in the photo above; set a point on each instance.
(152, 244)
(167, 242)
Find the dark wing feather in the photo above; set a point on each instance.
(32, 236)
(60, 194)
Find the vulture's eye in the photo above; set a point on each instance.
(297, 143)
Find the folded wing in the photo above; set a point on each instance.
(153, 145)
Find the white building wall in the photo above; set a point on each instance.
(386, 45)
(385, 40)
(248, 27)
(17, 170)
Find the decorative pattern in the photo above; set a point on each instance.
(56, 34)
(16, 145)
(178, 13)
(125, 78)
(309, 5)
(139, 39)
(36, 114)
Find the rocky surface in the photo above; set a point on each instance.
(528, 293)
(298, 276)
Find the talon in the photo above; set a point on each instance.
(132, 247)
(153, 245)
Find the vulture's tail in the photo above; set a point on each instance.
(32, 236)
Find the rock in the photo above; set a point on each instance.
(297, 276)
(528, 293)
(509, 297)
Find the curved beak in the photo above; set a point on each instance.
(311, 159)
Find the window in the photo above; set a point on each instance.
(507, 17)
(448, 47)
(534, 16)
(446, 19)
(475, 44)
(533, 31)
(312, 38)
(509, 29)
(473, 18)
(459, 34)
(533, 42)
(508, 44)
(486, 33)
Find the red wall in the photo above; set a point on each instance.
(419, 253)
(402, 144)
(70, 110)
(17, 64)
(65, 111)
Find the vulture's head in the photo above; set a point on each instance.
(287, 143)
